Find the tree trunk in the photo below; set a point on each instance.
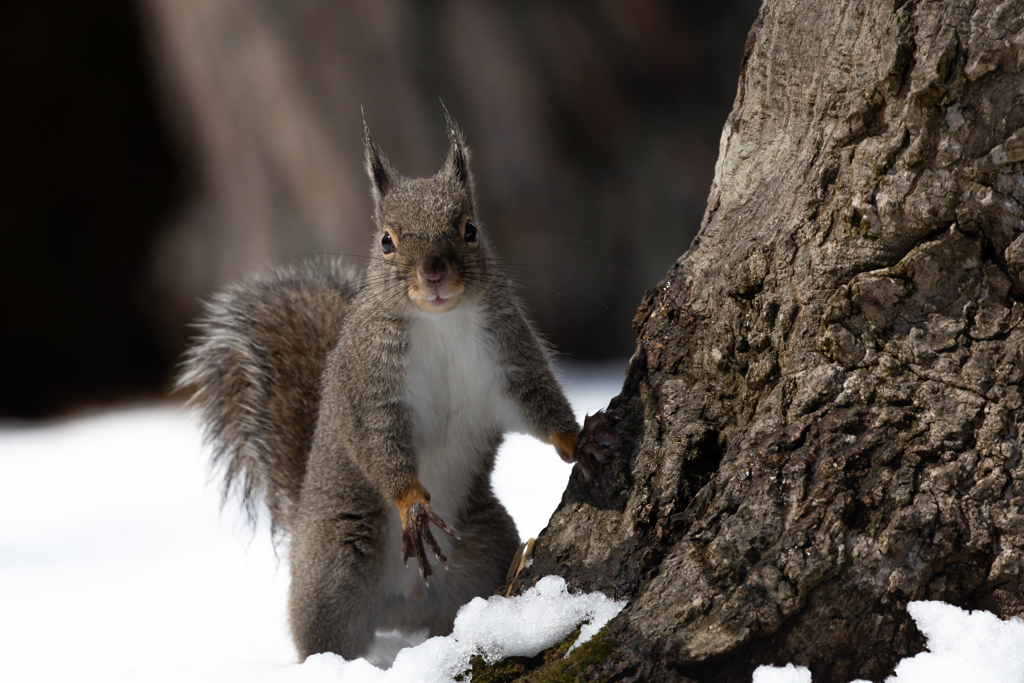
(826, 391)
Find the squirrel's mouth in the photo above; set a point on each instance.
(436, 299)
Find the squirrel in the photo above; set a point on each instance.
(361, 409)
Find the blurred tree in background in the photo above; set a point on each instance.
(87, 178)
(594, 126)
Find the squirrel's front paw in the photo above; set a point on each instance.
(416, 533)
(598, 441)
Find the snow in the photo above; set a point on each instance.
(524, 628)
(783, 674)
(115, 556)
(116, 563)
(962, 647)
(494, 628)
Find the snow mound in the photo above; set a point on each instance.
(538, 620)
(782, 674)
(494, 629)
(963, 647)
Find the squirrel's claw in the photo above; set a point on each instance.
(417, 533)
(441, 524)
(597, 443)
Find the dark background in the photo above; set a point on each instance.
(152, 151)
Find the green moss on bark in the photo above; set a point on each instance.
(550, 666)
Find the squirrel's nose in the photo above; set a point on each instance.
(434, 273)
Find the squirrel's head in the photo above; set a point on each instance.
(428, 237)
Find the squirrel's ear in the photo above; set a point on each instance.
(377, 167)
(458, 154)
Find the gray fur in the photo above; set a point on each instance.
(256, 365)
(406, 391)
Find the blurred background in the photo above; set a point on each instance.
(151, 151)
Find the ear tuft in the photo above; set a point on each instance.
(377, 167)
(458, 154)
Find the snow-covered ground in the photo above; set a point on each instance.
(116, 563)
(962, 647)
(115, 555)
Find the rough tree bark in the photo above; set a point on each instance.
(826, 392)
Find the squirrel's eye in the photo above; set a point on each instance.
(387, 244)
(470, 232)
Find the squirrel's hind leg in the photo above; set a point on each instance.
(479, 561)
(335, 593)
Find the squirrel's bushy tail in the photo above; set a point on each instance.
(255, 366)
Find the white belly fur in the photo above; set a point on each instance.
(455, 390)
